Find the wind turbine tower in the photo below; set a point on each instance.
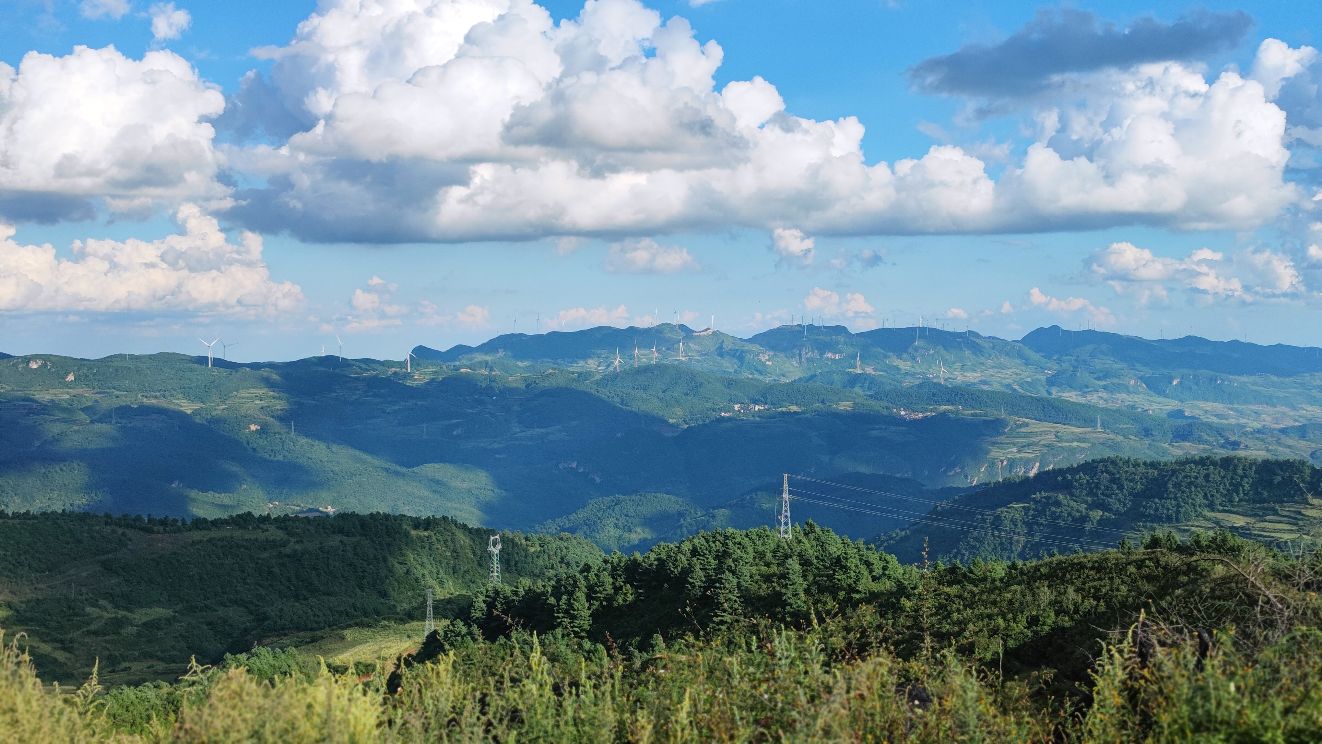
(210, 350)
(858, 361)
(408, 362)
(618, 361)
(340, 355)
(225, 349)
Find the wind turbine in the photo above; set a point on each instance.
(210, 346)
(408, 362)
(341, 343)
(225, 349)
(617, 361)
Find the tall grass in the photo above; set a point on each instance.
(779, 685)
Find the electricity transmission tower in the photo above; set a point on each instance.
(431, 622)
(494, 549)
(785, 509)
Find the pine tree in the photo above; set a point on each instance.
(572, 613)
(794, 592)
(729, 604)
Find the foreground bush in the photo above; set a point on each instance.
(777, 686)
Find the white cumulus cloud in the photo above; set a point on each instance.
(793, 246)
(1315, 255)
(832, 304)
(198, 270)
(454, 120)
(97, 124)
(1071, 305)
(646, 256)
(1249, 276)
(168, 22)
(97, 9)
(584, 317)
(470, 316)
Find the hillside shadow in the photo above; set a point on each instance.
(724, 456)
(546, 451)
(550, 451)
(137, 459)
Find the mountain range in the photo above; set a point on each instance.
(631, 435)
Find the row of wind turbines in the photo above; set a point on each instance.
(225, 350)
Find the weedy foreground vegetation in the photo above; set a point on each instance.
(739, 636)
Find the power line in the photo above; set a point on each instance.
(1046, 524)
(951, 505)
(972, 527)
(956, 524)
(951, 522)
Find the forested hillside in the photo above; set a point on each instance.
(141, 596)
(745, 636)
(1096, 504)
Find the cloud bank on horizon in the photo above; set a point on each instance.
(458, 121)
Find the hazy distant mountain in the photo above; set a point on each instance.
(1188, 353)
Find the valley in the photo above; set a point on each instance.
(548, 432)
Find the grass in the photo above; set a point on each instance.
(355, 647)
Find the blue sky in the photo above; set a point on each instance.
(1142, 168)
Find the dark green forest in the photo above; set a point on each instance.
(143, 595)
(1100, 502)
(746, 636)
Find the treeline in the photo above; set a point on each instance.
(1037, 615)
(1211, 639)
